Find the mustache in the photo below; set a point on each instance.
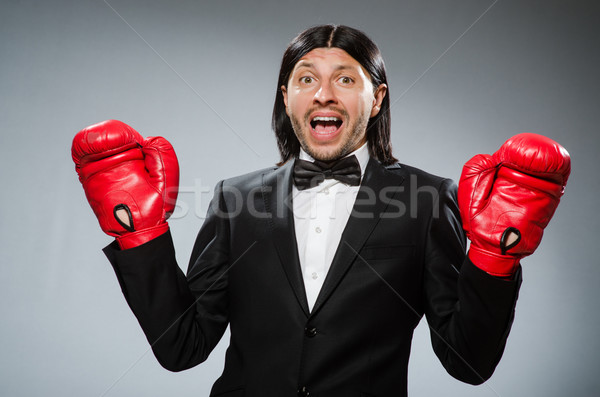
(342, 112)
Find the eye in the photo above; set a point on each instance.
(346, 80)
(306, 79)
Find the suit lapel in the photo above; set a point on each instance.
(277, 195)
(367, 211)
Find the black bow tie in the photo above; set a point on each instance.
(308, 174)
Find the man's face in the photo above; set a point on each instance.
(329, 99)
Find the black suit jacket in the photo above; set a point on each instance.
(401, 256)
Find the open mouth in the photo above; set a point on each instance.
(325, 125)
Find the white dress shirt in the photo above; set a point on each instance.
(320, 216)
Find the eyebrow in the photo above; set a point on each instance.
(309, 65)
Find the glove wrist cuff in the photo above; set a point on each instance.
(135, 239)
(494, 264)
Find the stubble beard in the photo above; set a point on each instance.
(351, 139)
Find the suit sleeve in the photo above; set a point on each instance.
(469, 311)
(182, 317)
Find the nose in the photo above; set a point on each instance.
(325, 95)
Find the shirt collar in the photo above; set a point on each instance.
(362, 155)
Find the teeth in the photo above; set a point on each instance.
(319, 118)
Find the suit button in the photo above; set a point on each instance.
(310, 331)
(302, 392)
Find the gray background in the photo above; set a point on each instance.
(203, 75)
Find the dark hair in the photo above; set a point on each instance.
(360, 47)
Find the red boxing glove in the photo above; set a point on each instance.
(130, 182)
(507, 199)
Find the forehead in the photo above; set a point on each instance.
(329, 57)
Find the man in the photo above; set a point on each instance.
(324, 265)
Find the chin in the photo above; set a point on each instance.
(326, 153)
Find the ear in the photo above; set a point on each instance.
(380, 93)
(284, 93)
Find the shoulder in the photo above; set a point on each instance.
(418, 178)
(250, 179)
